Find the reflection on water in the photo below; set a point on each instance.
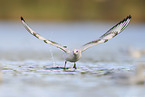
(29, 70)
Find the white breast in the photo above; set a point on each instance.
(72, 58)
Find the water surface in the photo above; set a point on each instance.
(32, 68)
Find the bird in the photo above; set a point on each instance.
(74, 55)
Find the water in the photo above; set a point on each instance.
(32, 68)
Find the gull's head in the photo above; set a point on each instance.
(76, 52)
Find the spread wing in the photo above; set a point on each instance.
(42, 38)
(115, 30)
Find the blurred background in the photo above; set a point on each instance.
(57, 20)
(31, 68)
(72, 10)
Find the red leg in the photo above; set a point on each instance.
(75, 66)
(65, 64)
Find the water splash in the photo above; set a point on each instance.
(52, 56)
(51, 52)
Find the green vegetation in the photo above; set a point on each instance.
(72, 10)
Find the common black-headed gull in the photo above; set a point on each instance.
(75, 55)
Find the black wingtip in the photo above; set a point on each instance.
(129, 17)
(22, 18)
(125, 19)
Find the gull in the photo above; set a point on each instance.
(75, 55)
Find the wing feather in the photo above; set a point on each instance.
(115, 30)
(42, 38)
